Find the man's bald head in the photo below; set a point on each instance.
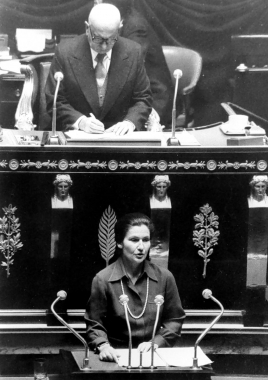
(103, 26)
(105, 18)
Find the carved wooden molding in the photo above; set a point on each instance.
(125, 166)
(24, 114)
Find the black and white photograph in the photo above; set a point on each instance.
(134, 189)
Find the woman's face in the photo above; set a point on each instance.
(259, 190)
(136, 244)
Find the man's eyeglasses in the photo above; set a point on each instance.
(99, 40)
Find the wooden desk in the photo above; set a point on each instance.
(236, 366)
(63, 366)
(113, 371)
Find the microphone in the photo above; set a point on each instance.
(59, 76)
(123, 299)
(207, 293)
(173, 140)
(177, 73)
(61, 295)
(159, 300)
(54, 139)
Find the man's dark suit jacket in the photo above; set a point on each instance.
(128, 95)
(136, 28)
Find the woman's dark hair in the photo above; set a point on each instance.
(124, 224)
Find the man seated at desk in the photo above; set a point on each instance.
(105, 85)
(137, 28)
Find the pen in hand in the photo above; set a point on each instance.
(96, 125)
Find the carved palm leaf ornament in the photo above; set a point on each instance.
(9, 237)
(106, 235)
(205, 234)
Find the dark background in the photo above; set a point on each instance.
(31, 284)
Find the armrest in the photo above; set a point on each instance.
(33, 59)
(24, 113)
(198, 63)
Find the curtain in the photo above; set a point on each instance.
(207, 26)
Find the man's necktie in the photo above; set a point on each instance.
(100, 70)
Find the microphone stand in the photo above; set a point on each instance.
(61, 295)
(54, 139)
(206, 294)
(123, 299)
(173, 141)
(158, 301)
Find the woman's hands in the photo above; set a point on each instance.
(108, 353)
(146, 346)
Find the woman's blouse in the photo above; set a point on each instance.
(105, 316)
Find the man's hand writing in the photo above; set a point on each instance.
(91, 125)
(121, 128)
(108, 354)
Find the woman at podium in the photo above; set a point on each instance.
(133, 275)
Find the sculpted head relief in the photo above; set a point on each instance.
(61, 197)
(160, 184)
(160, 198)
(258, 188)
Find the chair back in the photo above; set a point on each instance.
(44, 118)
(188, 61)
(31, 111)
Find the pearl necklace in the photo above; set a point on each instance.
(146, 300)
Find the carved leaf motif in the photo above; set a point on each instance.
(106, 235)
(210, 252)
(199, 218)
(206, 237)
(201, 253)
(10, 242)
(206, 209)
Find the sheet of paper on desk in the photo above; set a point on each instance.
(174, 357)
(135, 359)
(186, 138)
(13, 66)
(139, 138)
(183, 356)
(83, 136)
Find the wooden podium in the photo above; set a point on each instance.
(111, 371)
